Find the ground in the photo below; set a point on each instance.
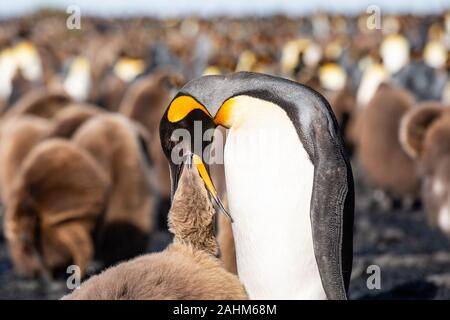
(414, 259)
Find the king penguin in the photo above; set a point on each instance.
(289, 182)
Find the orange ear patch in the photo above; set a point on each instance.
(182, 106)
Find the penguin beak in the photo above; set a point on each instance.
(191, 160)
(209, 184)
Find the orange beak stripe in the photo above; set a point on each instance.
(209, 184)
(204, 174)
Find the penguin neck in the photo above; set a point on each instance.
(269, 181)
(372, 78)
(78, 81)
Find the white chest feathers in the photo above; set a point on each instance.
(372, 77)
(269, 181)
(78, 81)
(7, 70)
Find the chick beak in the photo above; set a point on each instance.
(188, 160)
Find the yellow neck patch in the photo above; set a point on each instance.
(435, 54)
(224, 115)
(25, 47)
(395, 52)
(240, 110)
(80, 64)
(332, 77)
(128, 69)
(291, 54)
(333, 50)
(28, 60)
(212, 71)
(372, 77)
(246, 61)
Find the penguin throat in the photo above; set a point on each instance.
(77, 84)
(269, 180)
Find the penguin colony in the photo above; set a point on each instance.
(86, 176)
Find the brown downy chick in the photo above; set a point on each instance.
(186, 269)
(19, 135)
(57, 197)
(39, 102)
(116, 144)
(385, 163)
(425, 136)
(69, 119)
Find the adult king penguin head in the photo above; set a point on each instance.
(289, 183)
